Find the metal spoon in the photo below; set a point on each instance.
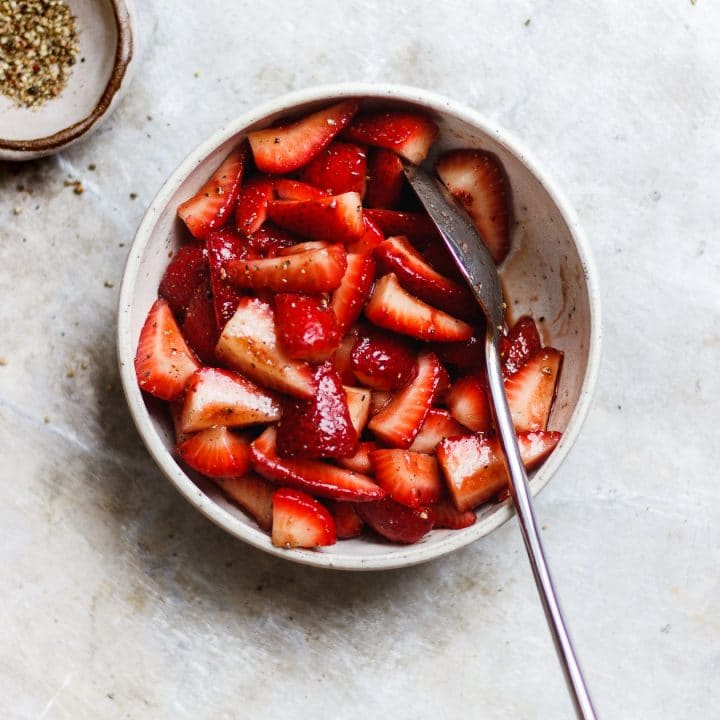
(478, 268)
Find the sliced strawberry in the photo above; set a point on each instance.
(221, 397)
(314, 476)
(341, 358)
(378, 401)
(360, 462)
(216, 452)
(354, 290)
(519, 345)
(175, 410)
(407, 134)
(302, 247)
(416, 226)
(385, 179)
(187, 271)
(383, 361)
(320, 427)
(477, 180)
(438, 425)
(287, 189)
(200, 326)
(347, 521)
(248, 343)
(163, 361)
(531, 390)
(269, 240)
(312, 271)
(211, 206)
(369, 240)
(447, 516)
(398, 256)
(358, 403)
(224, 245)
(474, 465)
(253, 199)
(336, 218)
(341, 167)
(300, 521)
(400, 420)
(468, 356)
(393, 308)
(306, 326)
(396, 522)
(286, 148)
(412, 479)
(253, 494)
(468, 403)
(443, 387)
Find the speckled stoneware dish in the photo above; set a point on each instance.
(548, 274)
(106, 35)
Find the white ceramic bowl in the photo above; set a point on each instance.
(106, 36)
(549, 274)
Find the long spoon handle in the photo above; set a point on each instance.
(528, 525)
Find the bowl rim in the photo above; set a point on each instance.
(397, 556)
(124, 52)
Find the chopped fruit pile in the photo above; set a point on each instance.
(322, 360)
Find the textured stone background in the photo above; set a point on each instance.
(120, 601)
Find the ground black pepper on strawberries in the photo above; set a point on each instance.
(38, 46)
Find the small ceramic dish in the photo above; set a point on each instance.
(106, 32)
(549, 274)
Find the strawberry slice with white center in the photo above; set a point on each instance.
(369, 240)
(448, 517)
(288, 147)
(412, 479)
(393, 308)
(249, 343)
(335, 218)
(521, 343)
(358, 403)
(287, 189)
(417, 226)
(468, 403)
(187, 271)
(310, 271)
(211, 206)
(221, 397)
(476, 179)
(253, 199)
(474, 466)
(407, 134)
(320, 427)
(313, 476)
(163, 363)
(399, 422)
(438, 425)
(300, 521)
(361, 462)
(224, 245)
(253, 494)
(341, 167)
(216, 452)
(347, 522)
(531, 390)
(306, 326)
(398, 256)
(385, 179)
(350, 297)
(397, 522)
(302, 247)
(383, 361)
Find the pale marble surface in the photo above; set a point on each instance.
(120, 601)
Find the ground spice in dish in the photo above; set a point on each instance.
(38, 46)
